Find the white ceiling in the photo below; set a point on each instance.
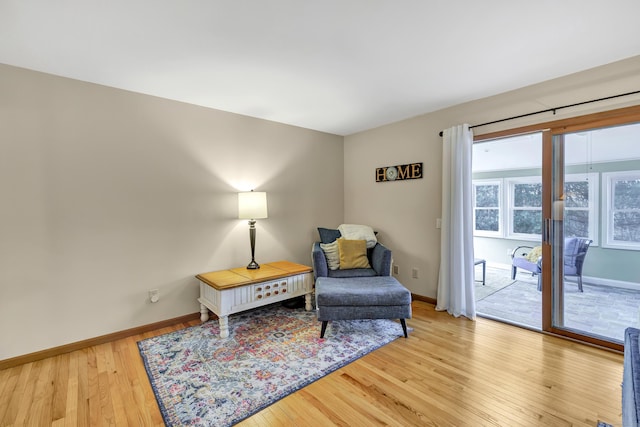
(339, 66)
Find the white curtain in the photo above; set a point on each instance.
(456, 281)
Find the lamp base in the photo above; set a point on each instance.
(253, 265)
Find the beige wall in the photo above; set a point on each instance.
(106, 194)
(405, 212)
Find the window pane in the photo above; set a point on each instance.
(487, 196)
(576, 194)
(626, 226)
(527, 222)
(527, 195)
(576, 223)
(487, 219)
(627, 194)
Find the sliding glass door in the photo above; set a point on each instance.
(593, 231)
(557, 226)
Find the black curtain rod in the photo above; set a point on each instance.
(553, 109)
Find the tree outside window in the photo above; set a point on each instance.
(576, 205)
(518, 209)
(622, 194)
(527, 208)
(626, 211)
(487, 208)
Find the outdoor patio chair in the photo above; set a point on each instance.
(575, 251)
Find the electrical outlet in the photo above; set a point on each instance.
(414, 273)
(396, 270)
(509, 251)
(154, 295)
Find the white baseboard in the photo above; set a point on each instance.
(609, 282)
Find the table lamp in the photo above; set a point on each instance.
(252, 205)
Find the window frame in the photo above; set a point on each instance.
(608, 179)
(593, 179)
(510, 183)
(485, 233)
(507, 209)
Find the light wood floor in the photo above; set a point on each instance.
(449, 372)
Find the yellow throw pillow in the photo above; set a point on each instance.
(534, 254)
(353, 254)
(331, 254)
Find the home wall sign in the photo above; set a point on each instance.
(399, 172)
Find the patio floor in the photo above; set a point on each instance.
(600, 311)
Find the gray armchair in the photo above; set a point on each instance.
(359, 293)
(575, 251)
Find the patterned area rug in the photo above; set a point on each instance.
(200, 379)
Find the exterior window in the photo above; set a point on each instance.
(525, 206)
(622, 228)
(487, 208)
(522, 212)
(580, 206)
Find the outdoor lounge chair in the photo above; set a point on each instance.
(575, 250)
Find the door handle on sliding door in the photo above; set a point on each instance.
(546, 233)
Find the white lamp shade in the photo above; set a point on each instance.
(252, 205)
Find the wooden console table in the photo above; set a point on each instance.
(227, 292)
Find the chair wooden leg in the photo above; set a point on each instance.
(580, 283)
(513, 272)
(404, 327)
(324, 328)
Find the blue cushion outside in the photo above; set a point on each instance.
(521, 262)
